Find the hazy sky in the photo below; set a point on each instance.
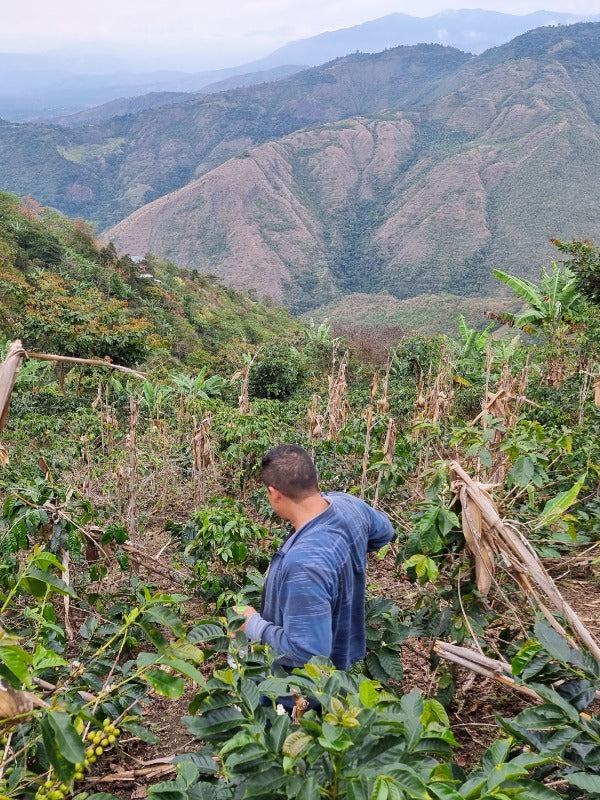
(216, 29)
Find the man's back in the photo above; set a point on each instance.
(314, 600)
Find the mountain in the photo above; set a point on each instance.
(38, 87)
(44, 86)
(103, 172)
(478, 170)
(471, 30)
(133, 105)
(413, 171)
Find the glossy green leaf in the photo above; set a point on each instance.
(164, 684)
(585, 781)
(17, 661)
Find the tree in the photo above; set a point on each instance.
(60, 318)
(278, 373)
(585, 264)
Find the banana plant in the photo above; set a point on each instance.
(199, 387)
(554, 301)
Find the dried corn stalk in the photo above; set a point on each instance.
(383, 404)
(243, 374)
(437, 400)
(315, 419)
(388, 454)
(479, 537)
(504, 404)
(203, 458)
(557, 372)
(488, 536)
(368, 414)
(336, 404)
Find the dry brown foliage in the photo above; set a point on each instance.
(503, 404)
(490, 538)
(316, 420)
(203, 458)
(337, 406)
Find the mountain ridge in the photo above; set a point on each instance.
(38, 85)
(470, 182)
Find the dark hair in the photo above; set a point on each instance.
(291, 470)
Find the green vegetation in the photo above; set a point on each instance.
(62, 291)
(81, 153)
(132, 520)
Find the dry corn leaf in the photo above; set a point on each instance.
(14, 703)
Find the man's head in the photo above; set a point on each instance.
(290, 470)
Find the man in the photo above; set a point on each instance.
(314, 597)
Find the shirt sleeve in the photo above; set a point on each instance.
(306, 611)
(381, 530)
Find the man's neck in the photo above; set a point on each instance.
(302, 511)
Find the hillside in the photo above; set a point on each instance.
(61, 290)
(416, 171)
(415, 202)
(103, 172)
(133, 105)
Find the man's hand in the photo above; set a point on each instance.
(246, 612)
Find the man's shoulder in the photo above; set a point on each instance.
(343, 497)
(343, 501)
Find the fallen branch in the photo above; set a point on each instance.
(134, 774)
(482, 665)
(151, 563)
(498, 671)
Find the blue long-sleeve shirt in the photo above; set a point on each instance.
(314, 596)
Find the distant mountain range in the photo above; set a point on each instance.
(408, 173)
(471, 30)
(38, 86)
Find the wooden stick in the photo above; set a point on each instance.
(70, 634)
(91, 362)
(134, 774)
(53, 688)
(131, 505)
